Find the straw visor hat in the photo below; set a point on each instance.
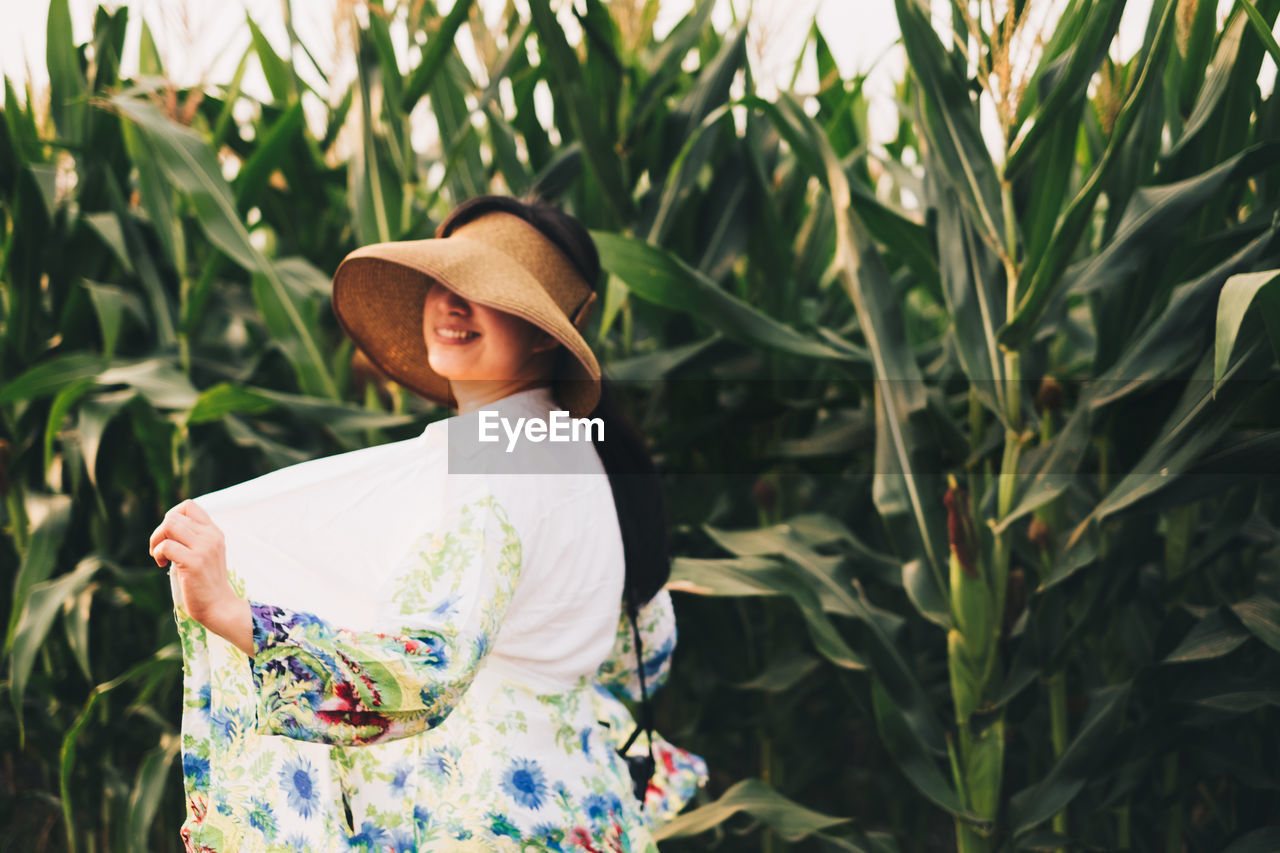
(498, 260)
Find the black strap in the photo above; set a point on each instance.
(641, 767)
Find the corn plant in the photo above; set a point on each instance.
(1076, 494)
(990, 473)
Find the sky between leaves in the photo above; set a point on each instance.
(204, 40)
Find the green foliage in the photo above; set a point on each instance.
(974, 499)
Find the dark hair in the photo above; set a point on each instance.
(637, 490)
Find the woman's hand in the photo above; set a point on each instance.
(190, 540)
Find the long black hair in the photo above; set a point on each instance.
(633, 477)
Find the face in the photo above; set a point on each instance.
(470, 342)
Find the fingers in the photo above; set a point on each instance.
(175, 527)
(183, 528)
(194, 510)
(156, 536)
(173, 551)
(160, 532)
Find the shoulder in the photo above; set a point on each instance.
(572, 502)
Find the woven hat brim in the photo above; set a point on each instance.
(378, 294)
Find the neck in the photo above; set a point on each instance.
(473, 394)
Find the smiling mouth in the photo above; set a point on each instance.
(457, 334)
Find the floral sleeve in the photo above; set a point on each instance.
(322, 683)
(657, 623)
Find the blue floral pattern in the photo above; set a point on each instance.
(297, 780)
(403, 740)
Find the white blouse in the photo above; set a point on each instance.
(440, 650)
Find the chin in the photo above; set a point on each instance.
(457, 373)
(447, 370)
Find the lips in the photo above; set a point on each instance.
(455, 335)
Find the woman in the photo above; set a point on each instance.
(436, 627)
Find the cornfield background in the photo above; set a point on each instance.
(972, 448)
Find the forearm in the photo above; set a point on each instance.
(322, 683)
(234, 623)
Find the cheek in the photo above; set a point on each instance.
(426, 310)
(509, 337)
(434, 293)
